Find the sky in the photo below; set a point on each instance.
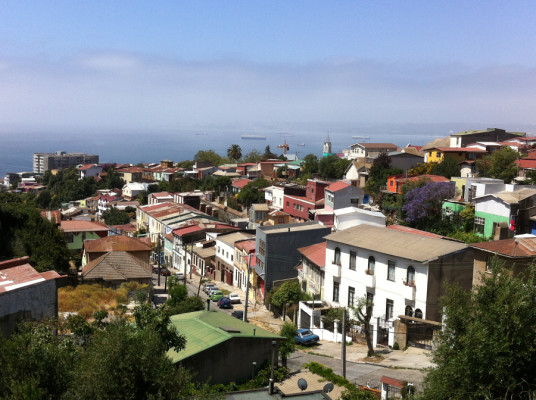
(160, 65)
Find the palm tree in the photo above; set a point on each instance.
(234, 152)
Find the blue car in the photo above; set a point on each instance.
(306, 337)
(225, 302)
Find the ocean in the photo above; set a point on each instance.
(17, 148)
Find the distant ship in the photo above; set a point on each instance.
(300, 144)
(361, 137)
(253, 137)
(201, 134)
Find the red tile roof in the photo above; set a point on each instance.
(247, 245)
(526, 164)
(316, 253)
(337, 186)
(516, 247)
(187, 229)
(83, 226)
(117, 243)
(87, 166)
(240, 183)
(378, 145)
(392, 382)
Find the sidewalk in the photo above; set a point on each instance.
(258, 314)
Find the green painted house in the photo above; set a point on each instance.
(78, 231)
(221, 348)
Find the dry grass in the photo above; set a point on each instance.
(87, 299)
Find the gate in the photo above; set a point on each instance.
(420, 335)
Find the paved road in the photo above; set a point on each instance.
(358, 373)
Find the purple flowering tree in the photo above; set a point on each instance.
(423, 204)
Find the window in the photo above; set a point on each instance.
(389, 305)
(410, 276)
(288, 204)
(418, 313)
(371, 265)
(354, 201)
(69, 237)
(351, 296)
(337, 259)
(391, 270)
(336, 292)
(479, 225)
(409, 311)
(353, 258)
(262, 247)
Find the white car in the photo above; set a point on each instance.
(235, 298)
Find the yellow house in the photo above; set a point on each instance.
(438, 154)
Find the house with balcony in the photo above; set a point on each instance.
(357, 172)
(364, 150)
(89, 170)
(459, 154)
(395, 183)
(133, 189)
(225, 253)
(277, 252)
(257, 214)
(402, 271)
(244, 260)
(160, 197)
(311, 270)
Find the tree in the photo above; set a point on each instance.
(234, 152)
(252, 193)
(379, 172)
(332, 166)
(126, 362)
(486, 349)
(422, 205)
(254, 156)
(310, 165)
(500, 164)
(268, 155)
(363, 313)
(208, 156)
(448, 168)
(288, 346)
(115, 216)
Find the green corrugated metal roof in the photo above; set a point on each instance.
(203, 330)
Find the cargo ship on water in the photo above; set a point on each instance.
(253, 137)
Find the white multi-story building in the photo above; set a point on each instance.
(402, 272)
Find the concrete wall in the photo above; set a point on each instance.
(34, 303)
(455, 268)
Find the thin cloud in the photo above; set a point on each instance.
(126, 91)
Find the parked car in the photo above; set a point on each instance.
(235, 298)
(212, 290)
(306, 337)
(163, 271)
(224, 302)
(238, 314)
(207, 287)
(216, 295)
(180, 276)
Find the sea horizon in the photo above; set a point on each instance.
(18, 146)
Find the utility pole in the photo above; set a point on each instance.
(343, 349)
(247, 290)
(191, 259)
(159, 250)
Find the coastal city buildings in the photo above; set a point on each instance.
(60, 160)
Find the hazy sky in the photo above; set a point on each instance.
(171, 64)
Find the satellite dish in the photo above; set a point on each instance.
(302, 384)
(328, 387)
